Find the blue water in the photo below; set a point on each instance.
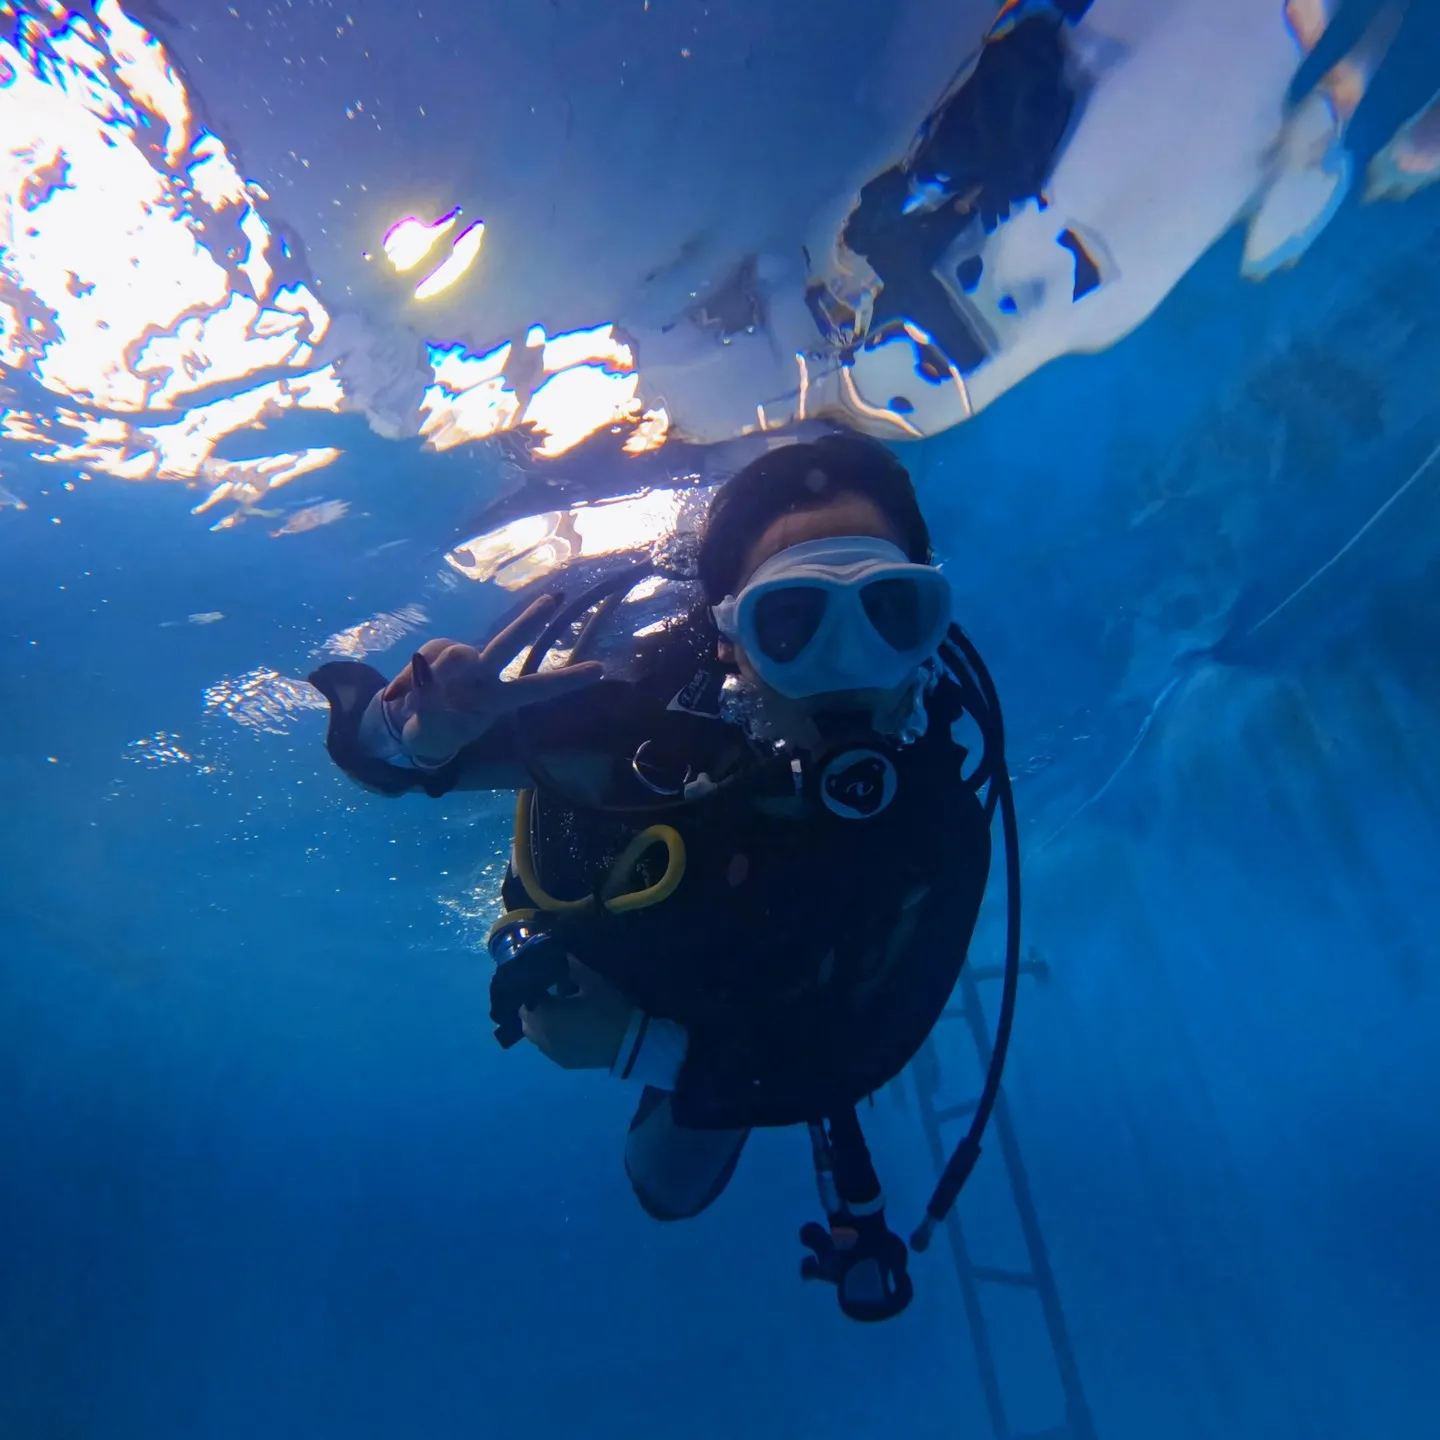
(264, 1173)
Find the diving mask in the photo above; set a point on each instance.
(841, 614)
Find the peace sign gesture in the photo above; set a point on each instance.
(450, 693)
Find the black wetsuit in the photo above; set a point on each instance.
(827, 901)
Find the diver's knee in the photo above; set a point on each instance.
(667, 1210)
(677, 1173)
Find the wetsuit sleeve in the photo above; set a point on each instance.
(590, 721)
(350, 687)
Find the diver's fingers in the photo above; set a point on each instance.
(529, 689)
(591, 982)
(456, 679)
(524, 630)
(430, 653)
(547, 1025)
(457, 666)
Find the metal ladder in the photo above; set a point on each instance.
(1038, 1278)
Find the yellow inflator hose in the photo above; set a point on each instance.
(612, 898)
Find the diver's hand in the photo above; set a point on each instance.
(450, 694)
(581, 1031)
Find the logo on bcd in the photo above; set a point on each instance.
(858, 784)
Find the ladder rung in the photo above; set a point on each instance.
(956, 1112)
(1017, 1278)
(997, 972)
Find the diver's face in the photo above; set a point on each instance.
(845, 515)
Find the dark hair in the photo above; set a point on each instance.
(800, 477)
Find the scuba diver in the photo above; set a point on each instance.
(745, 874)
